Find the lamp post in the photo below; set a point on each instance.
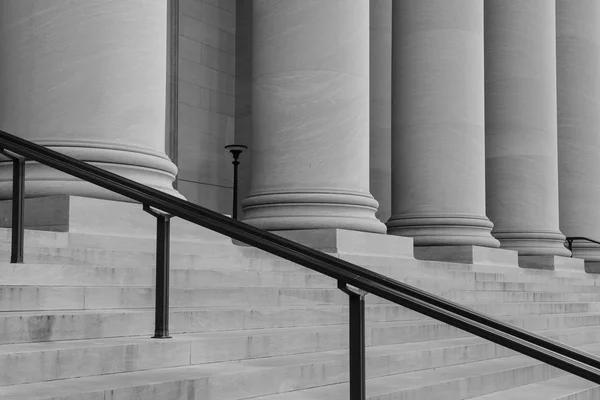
(235, 150)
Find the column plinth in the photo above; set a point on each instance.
(87, 79)
(438, 159)
(310, 149)
(521, 135)
(578, 95)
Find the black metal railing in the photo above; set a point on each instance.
(571, 239)
(352, 279)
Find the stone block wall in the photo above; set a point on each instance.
(205, 108)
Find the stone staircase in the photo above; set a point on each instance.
(76, 321)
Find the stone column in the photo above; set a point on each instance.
(438, 159)
(578, 65)
(88, 79)
(310, 157)
(521, 141)
(381, 106)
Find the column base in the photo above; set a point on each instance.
(341, 241)
(312, 210)
(468, 255)
(145, 166)
(100, 217)
(557, 263)
(444, 230)
(534, 243)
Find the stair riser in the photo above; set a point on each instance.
(468, 387)
(250, 346)
(114, 298)
(589, 394)
(72, 363)
(66, 326)
(278, 380)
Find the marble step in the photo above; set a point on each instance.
(250, 344)
(73, 275)
(456, 382)
(37, 326)
(288, 377)
(39, 362)
(567, 387)
(67, 275)
(384, 320)
(463, 296)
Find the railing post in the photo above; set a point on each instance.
(163, 242)
(570, 243)
(357, 342)
(18, 201)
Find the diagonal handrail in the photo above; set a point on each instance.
(544, 349)
(571, 239)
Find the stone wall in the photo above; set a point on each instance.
(206, 101)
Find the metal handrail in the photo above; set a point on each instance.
(348, 275)
(571, 239)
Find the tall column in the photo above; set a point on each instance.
(88, 79)
(310, 159)
(578, 65)
(438, 159)
(521, 141)
(381, 106)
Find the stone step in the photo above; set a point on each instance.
(38, 326)
(69, 275)
(48, 239)
(249, 344)
(456, 382)
(568, 387)
(122, 297)
(384, 320)
(72, 275)
(287, 377)
(465, 296)
(39, 362)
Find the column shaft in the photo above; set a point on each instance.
(87, 79)
(381, 106)
(521, 138)
(310, 159)
(578, 65)
(438, 159)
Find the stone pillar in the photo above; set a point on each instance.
(310, 147)
(521, 138)
(88, 79)
(578, 63)
(381, 106)
(438, 159)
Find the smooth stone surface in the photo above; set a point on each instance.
(342, 241)
(87, 79)
(310, 113)
(468, 254)
(96, 216)
(380, 133)
(578, 100)
(520, 126)
(438, 151)
(592, 267)
(552, 262)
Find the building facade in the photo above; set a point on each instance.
(455, 122)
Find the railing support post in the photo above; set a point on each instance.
(570, 242)
(357, 342)
(18, 201)
(163, 243)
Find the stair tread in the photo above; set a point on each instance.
(552, 389)
(376, 386)
(386, 385)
